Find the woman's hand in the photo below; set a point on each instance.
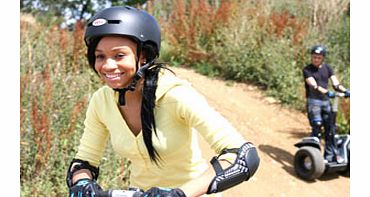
(84, 188)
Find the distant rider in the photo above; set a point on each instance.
(316, 76)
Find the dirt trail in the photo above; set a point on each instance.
(274, 130)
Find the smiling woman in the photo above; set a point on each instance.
(115, 61)
(141, 97)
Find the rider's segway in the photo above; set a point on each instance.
(309, 163)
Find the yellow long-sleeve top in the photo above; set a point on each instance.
(180, 113)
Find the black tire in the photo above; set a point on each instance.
(309, 163)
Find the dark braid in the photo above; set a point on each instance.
(147, 109)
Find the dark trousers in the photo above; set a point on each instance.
(320, 115)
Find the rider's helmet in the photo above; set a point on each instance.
(126, 21)
(318, 49)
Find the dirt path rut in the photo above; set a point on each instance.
(274, 130)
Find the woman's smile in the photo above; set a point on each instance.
(113, 76)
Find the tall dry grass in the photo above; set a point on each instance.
(56, 84)
(190, 24)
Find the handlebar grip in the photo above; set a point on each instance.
(340, 94)
(103, 194)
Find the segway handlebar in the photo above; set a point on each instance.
(335, 101)
(339, 94)
(131, 192)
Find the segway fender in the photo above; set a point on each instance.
(309, 141)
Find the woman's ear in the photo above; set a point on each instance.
(142, 59)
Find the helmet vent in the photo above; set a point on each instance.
(128, 7)
(114, 21)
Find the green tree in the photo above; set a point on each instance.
(75, 9)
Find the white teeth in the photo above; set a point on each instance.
(112, 75)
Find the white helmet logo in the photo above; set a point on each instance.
(99, 22)
(318, 50)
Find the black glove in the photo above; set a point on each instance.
(163, 192)
(84, 188)
(346, 93)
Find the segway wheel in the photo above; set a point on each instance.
(309, 163)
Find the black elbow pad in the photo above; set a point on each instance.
(245, 166)
(253, 161)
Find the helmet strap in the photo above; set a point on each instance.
(121, 96)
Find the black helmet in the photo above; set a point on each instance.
(318, 49)
(126, 21)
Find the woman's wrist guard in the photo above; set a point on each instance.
(78, 164)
